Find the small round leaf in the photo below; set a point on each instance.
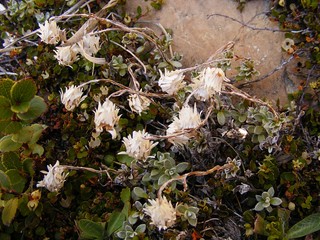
(5, 108)
(23, 91)
(37, 107)
(5, 87)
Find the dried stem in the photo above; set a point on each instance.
(252, 27)
(132, 54)
(106, 169)
(183, 177)
(237, 92)
(283, 64)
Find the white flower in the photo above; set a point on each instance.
(232, 171)
(137, 146)
(72, 97)
(8, 39)
(138, 103)
(243, 133)
(50, 33)
(162, 213)
(106, 117)
(66, 55)
(287, 45)
(54, 179)
(188, 119)
(90, 44)
(171, 82)
(208, 83)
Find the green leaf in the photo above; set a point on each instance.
(181, 167)
(23, 91)
(7, 145)
(20, 107)
(29, 134)
(4, 180)
(36, 149)
(37, 107)
(9, 211)
(115, 222)
(141, 228)
(17, 181)
(37, 132)
(5, 108)
(9, 127)
(28, 166)
(193, 221)
(5, 87)
(11, 160)
(140, 193)
(306, 226)
(125, 195)
(24, 135)
(221, 118)
(258, 130)
(91, 230)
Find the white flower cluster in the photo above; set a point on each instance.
(178, 130)
(50, 33)
(72, 97)
(138, 103)
(162, 213)
(171, 81)
(89, 45)
(54, 179)
(106, 117)
(209, 82)
(137, 146)
(204, 86)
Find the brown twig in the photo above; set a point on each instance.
(252, 27)
(283, 64)
(237, 92)
(183, 177)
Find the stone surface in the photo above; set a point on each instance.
(198, 32)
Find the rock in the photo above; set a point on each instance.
(200, 27)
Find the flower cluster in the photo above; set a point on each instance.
(50, 33)
(72, 97)
(54, 179)
(181, 129)
(171, 81)
(162, 213)
(66, 55)
(207, 83)
(106, 117)
(137, 146)
(138, 103)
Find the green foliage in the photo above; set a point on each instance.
(91, 230)
(105, 194)
(9, 211)
(115, 222)
(306, 226)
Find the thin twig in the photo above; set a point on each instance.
(106, 170)
(283, 64)
(183, 177)
(132, 54)
(237, 92)
(255, 28)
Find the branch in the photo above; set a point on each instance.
(255, 28)
(183, 177)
